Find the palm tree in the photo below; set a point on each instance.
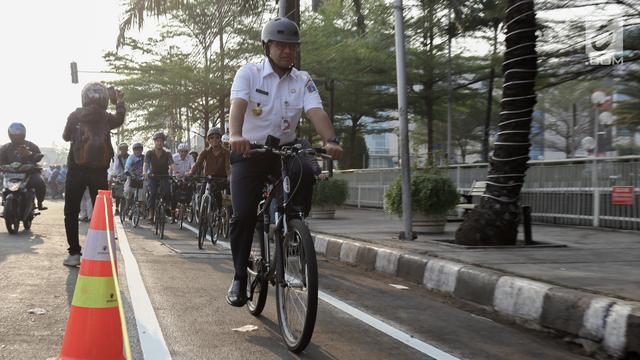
(495, 220)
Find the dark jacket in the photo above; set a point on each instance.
(91, 114)
(9, 153)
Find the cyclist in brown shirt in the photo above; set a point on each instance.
(215, 159)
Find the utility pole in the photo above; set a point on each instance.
(407, 233)
(449, 155)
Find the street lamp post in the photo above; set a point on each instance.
(407, 233)
(597, 99)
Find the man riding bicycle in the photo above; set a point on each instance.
(268, 99)
(215, 160)
(157, 163)
(134, 168)
(183, 164)
(117, 174)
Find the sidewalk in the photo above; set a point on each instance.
(582, 282)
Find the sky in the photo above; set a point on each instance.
(38, 40)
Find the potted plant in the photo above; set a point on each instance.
(327, 194)
(432, 196)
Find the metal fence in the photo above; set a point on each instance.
(570, 192)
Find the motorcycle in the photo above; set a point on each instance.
(17, 199)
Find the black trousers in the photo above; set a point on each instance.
(37, 183)
(248, 176)
(76, 183)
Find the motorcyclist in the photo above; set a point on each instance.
(23, 151)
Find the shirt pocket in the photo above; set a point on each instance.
(293, 104)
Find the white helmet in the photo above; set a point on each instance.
(225, 138)
(183, 147)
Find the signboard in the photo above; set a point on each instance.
(622, 195)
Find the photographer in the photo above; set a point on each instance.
(88, 129)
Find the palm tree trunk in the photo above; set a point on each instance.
(492, 75)
(495, 220)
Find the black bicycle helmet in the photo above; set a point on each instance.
(282, 30)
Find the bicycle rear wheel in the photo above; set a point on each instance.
(182, 208)
(257, 284)
(297, 299)
(204, 223)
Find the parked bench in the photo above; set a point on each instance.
(477, 190)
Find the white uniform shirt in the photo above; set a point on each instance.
(275, 104)
(182, 166)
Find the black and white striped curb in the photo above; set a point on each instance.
(608, 323)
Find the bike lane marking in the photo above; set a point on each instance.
(151, 339)
(377, 324)
(224, 244)
(387, 329)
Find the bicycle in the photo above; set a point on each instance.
(292, 268)
(210, 209)
(224, 217)
(161, 206)
(183, 190)
(117, 191)
(134, 209)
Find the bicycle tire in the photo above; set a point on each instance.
(182, 209)
(254, 271)
(298, 339)
(213, 227)
(162, 220)
(123, 210)
(203, 226)
(135, 216)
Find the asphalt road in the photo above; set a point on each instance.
(186, 288)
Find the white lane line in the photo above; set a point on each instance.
(387, 329)
(151, 339)
(224, 244)
(371, 321)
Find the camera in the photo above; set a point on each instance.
(112, 95)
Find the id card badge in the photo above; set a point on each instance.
(285, 125)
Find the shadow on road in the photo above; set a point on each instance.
(70, 284)
(312, 352)
(24, 242)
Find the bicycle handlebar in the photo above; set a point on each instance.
(292, 151)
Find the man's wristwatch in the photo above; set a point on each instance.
(334, 140)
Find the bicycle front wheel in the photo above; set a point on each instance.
(162, 219)
(123, 210)
(297, 298)
(135, 214)
(204, 223)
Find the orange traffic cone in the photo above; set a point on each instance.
(94, 330)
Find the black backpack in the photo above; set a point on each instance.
(92, 141)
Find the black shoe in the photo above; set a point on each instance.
(42, 207)
(237, 295)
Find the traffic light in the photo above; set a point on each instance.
(74, 72)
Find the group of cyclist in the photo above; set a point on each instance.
(152, 172)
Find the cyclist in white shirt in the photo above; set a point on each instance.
(183, 162)
(268, 98)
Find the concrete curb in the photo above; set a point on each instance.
(612, 324)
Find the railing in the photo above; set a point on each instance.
(558, 191)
